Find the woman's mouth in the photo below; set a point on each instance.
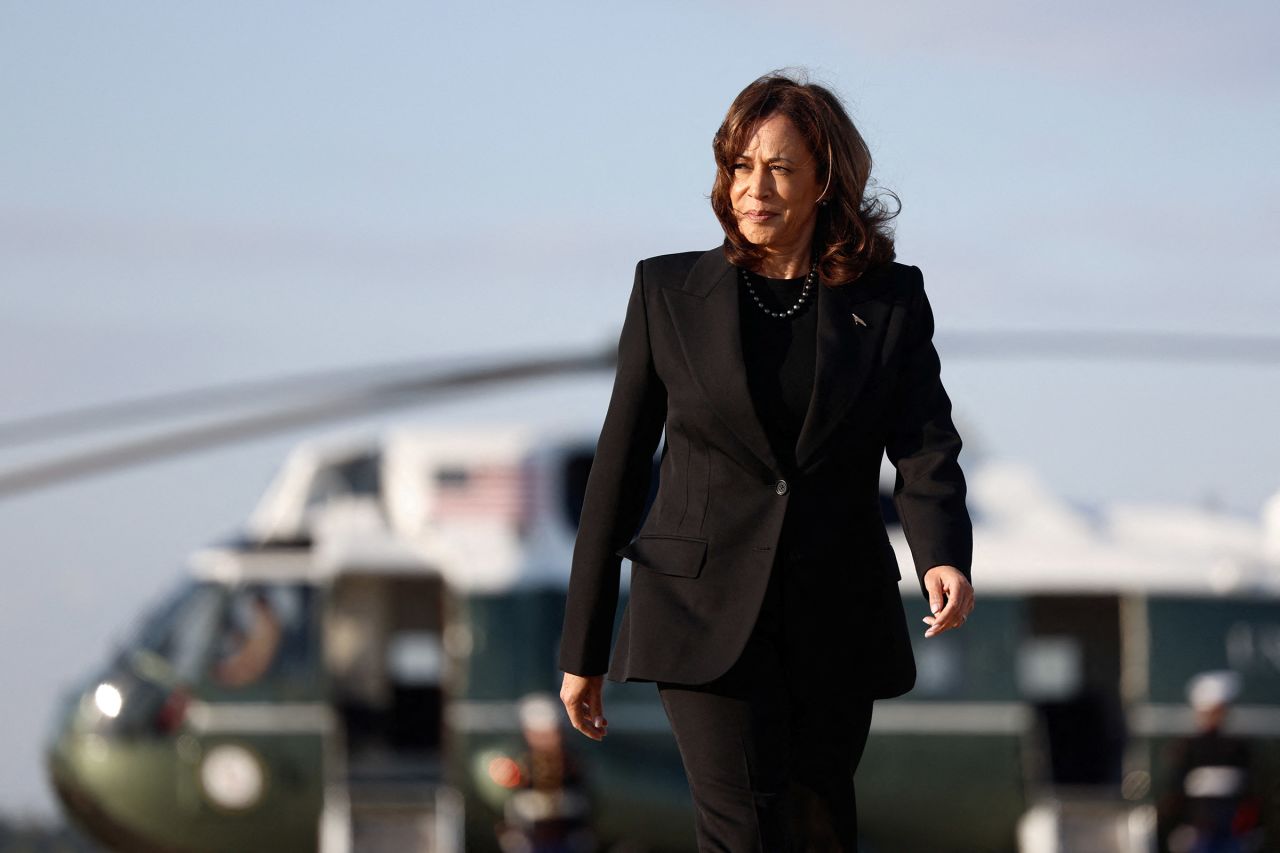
(758, 215)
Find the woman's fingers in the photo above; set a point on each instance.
(947, 582)
(944, 621)
(952, 616)
(581, 696)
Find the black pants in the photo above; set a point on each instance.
(771, 746)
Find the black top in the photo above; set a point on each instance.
(779, 356)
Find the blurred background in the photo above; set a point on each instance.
(199, 195)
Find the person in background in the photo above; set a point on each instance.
(1209, 805)
(254, 639)
(550, 809)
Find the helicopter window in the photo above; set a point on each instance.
(178, 631)
(264, 631)
(358, 476)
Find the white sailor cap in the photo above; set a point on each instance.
(539, 711)
(1211, 689)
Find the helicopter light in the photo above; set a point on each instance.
(108, 700)
(232, 776)
(505, 772)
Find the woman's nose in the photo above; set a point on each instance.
(759, 186)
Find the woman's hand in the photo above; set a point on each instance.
(947, 582)
(581, 697)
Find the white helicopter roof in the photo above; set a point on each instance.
(1026, 539)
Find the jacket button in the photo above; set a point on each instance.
(781, 487)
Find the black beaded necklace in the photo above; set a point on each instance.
(804, 294)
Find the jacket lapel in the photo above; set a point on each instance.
(844, 359)
(706, 319)
(705, 314)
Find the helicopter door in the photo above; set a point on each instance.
(1069, 669)
(386, 663)
(385, 659)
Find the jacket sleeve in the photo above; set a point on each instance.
(924, 446)
(617, 486)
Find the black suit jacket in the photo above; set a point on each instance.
(702, 559)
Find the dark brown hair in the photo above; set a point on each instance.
(852, 231)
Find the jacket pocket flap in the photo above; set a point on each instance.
(682, 556)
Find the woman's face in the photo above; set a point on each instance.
(775, 188)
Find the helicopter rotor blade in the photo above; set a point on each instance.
(366, 390)
(1092, 344)
(90, 419)
(995, 344)
(338, 405)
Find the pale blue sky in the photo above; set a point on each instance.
(193, 194)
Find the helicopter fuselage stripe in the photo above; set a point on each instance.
(986, 718)
(1172, 719)
(975, 718)
(276, 717)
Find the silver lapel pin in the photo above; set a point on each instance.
(858, 321)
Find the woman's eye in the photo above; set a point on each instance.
(737, 167)
(782, 169)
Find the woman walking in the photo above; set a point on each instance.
(764, 602)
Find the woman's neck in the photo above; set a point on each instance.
(792, 264)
